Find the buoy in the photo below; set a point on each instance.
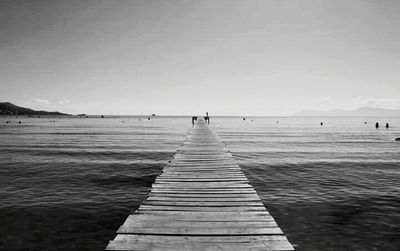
(387, 125)
(376, 125)
(322, 123)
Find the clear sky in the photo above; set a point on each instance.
(187, 57)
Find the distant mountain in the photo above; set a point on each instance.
(363, 111)
(7, 108)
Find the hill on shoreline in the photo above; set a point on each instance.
(362, 111)
(7, 108)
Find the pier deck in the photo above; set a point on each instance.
(201, 201)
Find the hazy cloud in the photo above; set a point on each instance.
(64, 102)
(42, 101)
(393, 103)
(324, 98)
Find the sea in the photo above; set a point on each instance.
(68, 183)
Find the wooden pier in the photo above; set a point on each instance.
(201, 201)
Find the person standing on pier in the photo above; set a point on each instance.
(207, 119)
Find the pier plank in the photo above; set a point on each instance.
(192, 198)
(237, 243)
(204, 217)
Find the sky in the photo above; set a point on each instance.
(173, 57)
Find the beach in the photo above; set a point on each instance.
(70, 184)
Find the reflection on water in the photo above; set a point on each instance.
(69, 185)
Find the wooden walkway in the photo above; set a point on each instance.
(201, 201)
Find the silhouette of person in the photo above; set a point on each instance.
(207, 119)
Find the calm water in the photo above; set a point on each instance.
(69, 184)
